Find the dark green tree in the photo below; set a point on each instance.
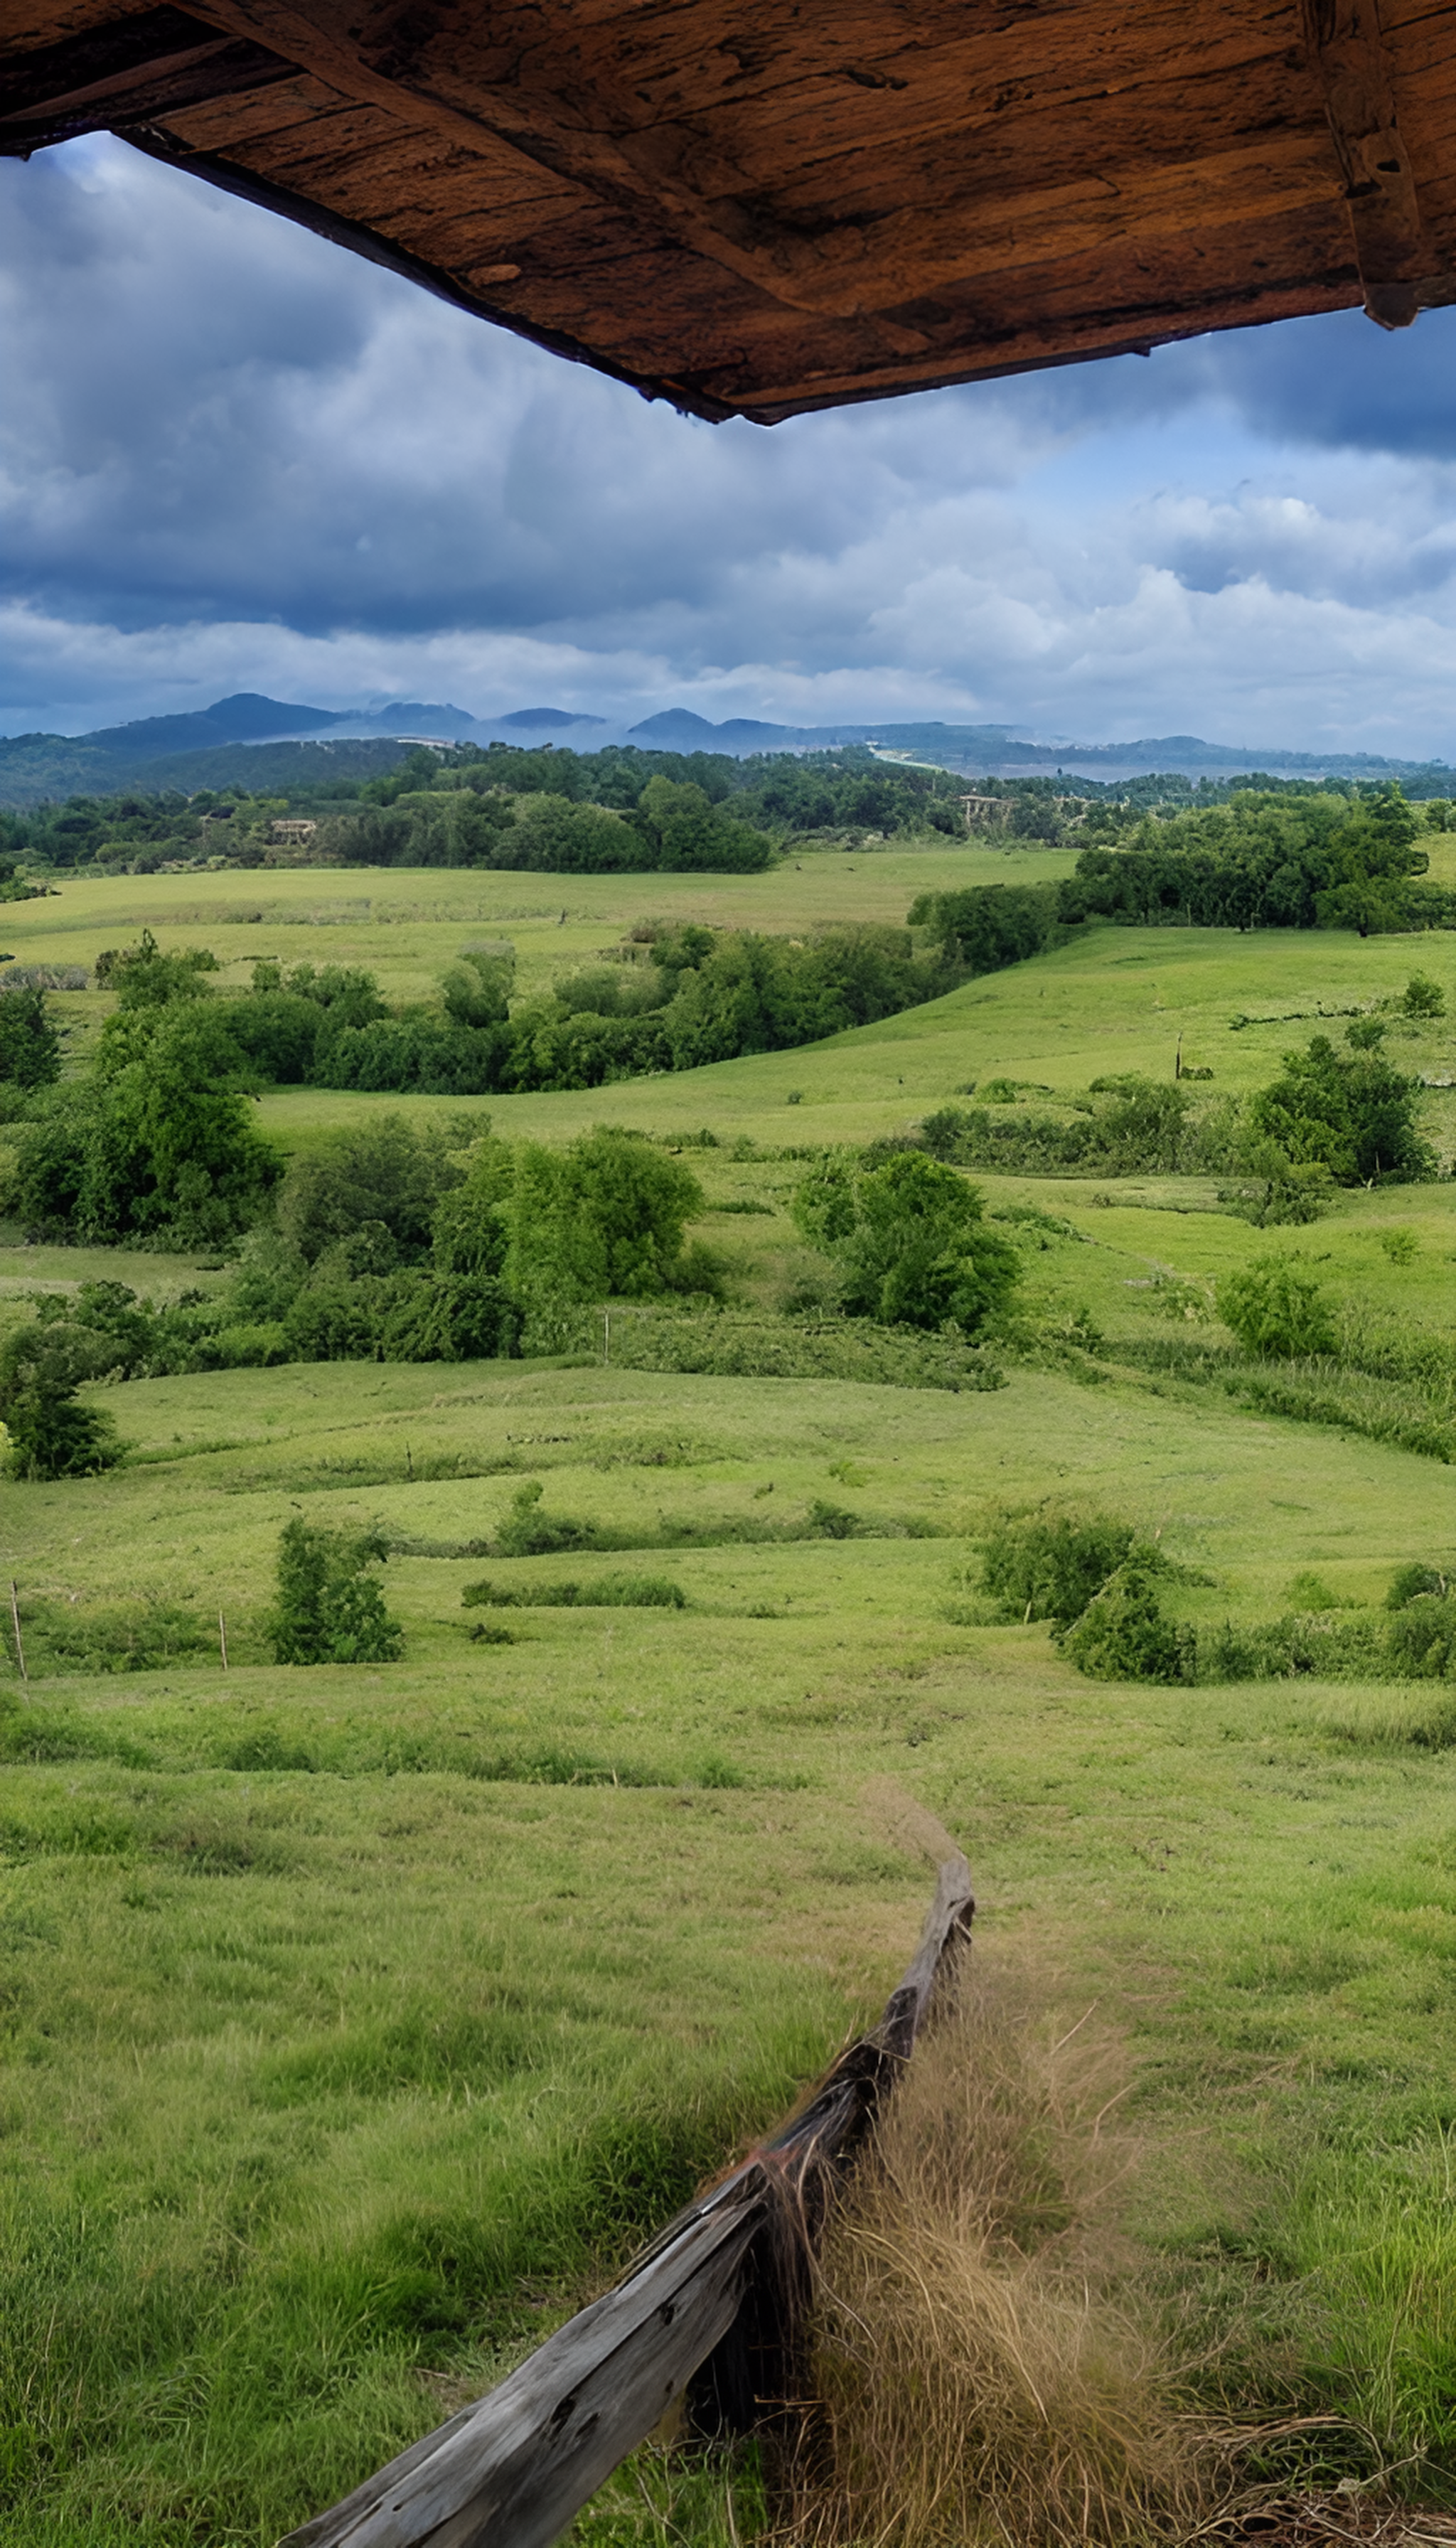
(910, 1245)
(601, 1219)
(51, 1432)
(384, 1173)
(329, 1607)
(30, 1044)
(1350, 1112)
(169, 1149)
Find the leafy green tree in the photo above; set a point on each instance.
(144, 977)
(329, 1607)
(566, 839)
(477, 989)
(470, 1232)
(686, 830)
(30, 1043)
(601, 1219)
(169, 1146)
(987, 926)
(910, 1245)
(385, 1173)
(1277, 1309)
(1352, 1112)
(51, 1432)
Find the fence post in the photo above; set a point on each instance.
(717, 2301)
(20, 1652)
(223, 1638)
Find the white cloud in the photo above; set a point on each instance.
(233, 457)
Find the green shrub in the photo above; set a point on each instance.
(607, 1593)
(1277, 1310)
(909, 1241)
(1423, 1637)
(1410, 1580)
(1424, 998)
(1049, 1565)
(741, 1344)
(1123, 1635)
(330, 1609)
(528, 1533)
(115, 1637)
(50, 1432)
(1295, 1647)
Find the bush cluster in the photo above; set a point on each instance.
(908, 1241)
(329, 1607)
(1333, 1117)
(1101, 1586)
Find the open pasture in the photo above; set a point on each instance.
(359, 2020)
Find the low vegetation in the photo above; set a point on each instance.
(462, 1760)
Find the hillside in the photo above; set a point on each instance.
(234, 743)
(364, 2017)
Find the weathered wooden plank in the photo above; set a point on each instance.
(851, 90)
(141, 68)
(229, 121)
(880, 265)
(514, 2469)
(382, 65)
(1345, 39)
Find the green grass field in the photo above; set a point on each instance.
(359, 2021)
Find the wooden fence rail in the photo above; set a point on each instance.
(712, 2306)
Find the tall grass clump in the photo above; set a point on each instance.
(988, 2369)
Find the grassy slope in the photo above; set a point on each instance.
(359, 2017)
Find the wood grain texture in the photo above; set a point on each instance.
(514, 2469)
(759, 206)
(1346, 41)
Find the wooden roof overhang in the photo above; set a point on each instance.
(782, 205)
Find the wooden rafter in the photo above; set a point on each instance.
(1391, 249)
(761, 207)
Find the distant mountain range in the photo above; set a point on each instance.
(261, 743)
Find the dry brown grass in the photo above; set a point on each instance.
(985, 2368)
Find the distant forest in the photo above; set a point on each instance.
(622, 809)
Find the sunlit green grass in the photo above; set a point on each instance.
(358, 2020)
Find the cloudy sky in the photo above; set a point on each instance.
(233, 457)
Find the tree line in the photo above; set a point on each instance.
(156, 1139)
(509, 805)
(1259, 861)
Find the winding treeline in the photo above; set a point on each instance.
(157, 1136)
(1260, 862)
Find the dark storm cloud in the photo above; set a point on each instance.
(235, 457)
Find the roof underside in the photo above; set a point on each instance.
(791, 204)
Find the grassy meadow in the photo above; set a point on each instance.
(358, 2022)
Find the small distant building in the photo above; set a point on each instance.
(982, 811)
(292, 829)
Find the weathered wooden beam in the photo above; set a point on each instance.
(512, 2470)
(1390, 249)
(135, 69)
(232, 178)
(595, 149)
